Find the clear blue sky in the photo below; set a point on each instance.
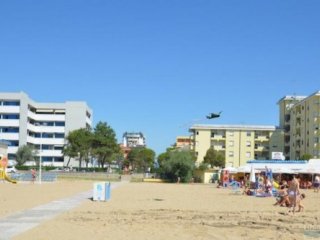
(157, 66)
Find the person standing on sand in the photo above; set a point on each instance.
(316, 183)
(294, 192)
(33, 175)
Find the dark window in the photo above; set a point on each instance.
(47, 135)
(11, 156)
(46, 159)
(13, 143)
(9, 129)
(10, 116)
(59, 135)
(47, 147)
(58, 159)
(11, 103)
(60, 124)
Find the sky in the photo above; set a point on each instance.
(159, 66)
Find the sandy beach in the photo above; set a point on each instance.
(161, 211)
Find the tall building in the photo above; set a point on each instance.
(41, 125)
(133, 139)
(238, 143)
(285, 106)
(300, 118)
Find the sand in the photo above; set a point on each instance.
(161, 211)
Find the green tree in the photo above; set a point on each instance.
(163, 157)
(214, 158)
(306, 156)
(25, 153)
(69, 151)
(141, 158)
(179, 165)
(79, 141)
(104, 143)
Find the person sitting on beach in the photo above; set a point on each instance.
(283, 198)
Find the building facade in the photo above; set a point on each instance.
(44, 126)
(238, 143)
(183, 142)
(300, 119)
(285, 105)
(133, 139)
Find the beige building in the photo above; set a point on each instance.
(183, 142)
(238, 143)
(285, 105)
(300, 118)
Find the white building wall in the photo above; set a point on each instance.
(34, 123)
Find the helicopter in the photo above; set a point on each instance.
(213, 115)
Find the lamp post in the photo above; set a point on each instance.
(40, 159)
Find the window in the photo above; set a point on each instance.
(47, 135)
(10, 116)
(60, 124)
(47, 147)
(46, 159)
(58, 159)
(231, 154)
(45, 124)
(231, 133)
(11, 103)
(248, 134)
(9, 129)
(248, 143)
(11, 156)
(248, 154)
(13, 143)
(231, 143)
(59, 135)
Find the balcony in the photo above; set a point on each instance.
(10, 122)
(49, 141)
(9, 136)
(218, 137)
(46, 117)
(10, 109)
(219, 147)
(51, 153)
(47, 129)
(261, 138)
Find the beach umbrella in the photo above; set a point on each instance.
(252, 175)
(244, 169)
(230, 169)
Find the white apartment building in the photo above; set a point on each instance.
(41, 125)
(133, 139)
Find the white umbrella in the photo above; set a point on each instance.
(230, 169)
(244, 169)
(252, 175)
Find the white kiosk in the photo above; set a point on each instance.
(101, 191)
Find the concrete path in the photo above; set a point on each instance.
(20, 222)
